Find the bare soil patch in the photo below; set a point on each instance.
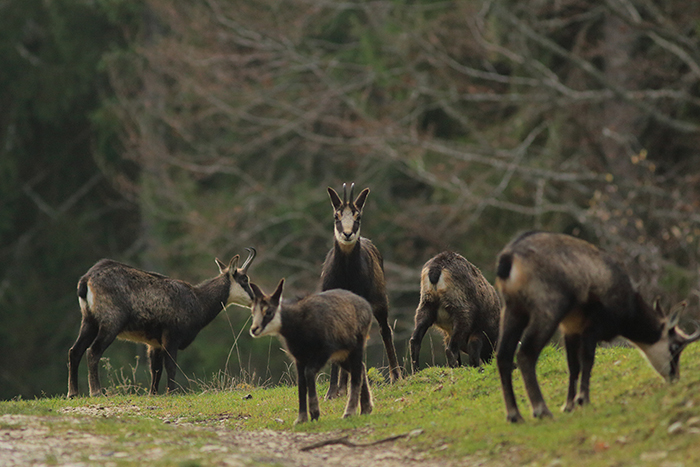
(31, 440)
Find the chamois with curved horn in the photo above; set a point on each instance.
(355, 264)
(551, 281)
(120, 301)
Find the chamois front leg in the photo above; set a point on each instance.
(474, 349)
(338, 383)
(587, 359)
(310, 374)
(155, 361)
(333, 387)
(303, 416)
(170, 362)
(572, 343)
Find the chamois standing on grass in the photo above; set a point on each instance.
(355, 264)
(332, 325)
(455, 297)
(550, 280)
(120, 301)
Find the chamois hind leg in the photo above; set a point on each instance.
(425, 317)
(155, 360)
(94, 354)
(87, 334)
(512, 326)
(534, 338)
(366, 404)
(354, 366)
(381, 314)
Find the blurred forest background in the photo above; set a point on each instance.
(166, 133)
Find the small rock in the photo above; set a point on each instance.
(653, 456)
(675, 428)
(693, 422)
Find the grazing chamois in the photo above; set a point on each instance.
(120, 301)
(355, 264)
(455, 297)
(331, 325)
(550, 280)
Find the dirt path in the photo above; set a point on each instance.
(31, 440)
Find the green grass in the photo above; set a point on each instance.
(460, 413)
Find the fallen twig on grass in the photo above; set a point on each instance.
(346, 442)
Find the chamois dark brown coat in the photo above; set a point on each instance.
(458, 300)
(329, 326)
(120, 301)
(355, 264)
(551, 281)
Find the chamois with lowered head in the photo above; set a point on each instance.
(549, 281)
(458, 300)
(120, 301)
(355, 264)
(331, 325)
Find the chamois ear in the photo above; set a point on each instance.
(256, 290)
(335, 199)
(275, 298)
(656, 305)
(222, 266)
(233, 264)
(361, 198)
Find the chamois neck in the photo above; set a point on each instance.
(213, 295)
(644, 326)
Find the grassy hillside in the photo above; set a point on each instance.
(635, 418)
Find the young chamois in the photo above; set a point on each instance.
(119, 301)
(552, 280)
(355, 264)
(332, 325)
(455, 297)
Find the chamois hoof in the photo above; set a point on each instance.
(301, 419)
(581, 400)
(542, 413)
(515, 418)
